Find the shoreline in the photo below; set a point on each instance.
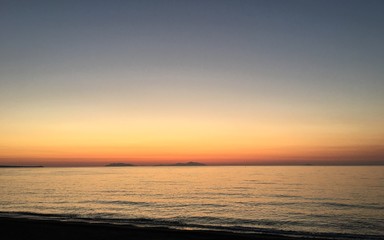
(15, 166)
(26, 228)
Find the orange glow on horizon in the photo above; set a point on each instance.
(170, 138)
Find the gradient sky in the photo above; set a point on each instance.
(90, 82)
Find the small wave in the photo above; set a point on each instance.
(258, 182)
(285, 196)
(119, 202)
(42, 216)
(346, 205)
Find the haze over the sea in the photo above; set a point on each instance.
(218, 82)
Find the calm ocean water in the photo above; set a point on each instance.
(340, 202)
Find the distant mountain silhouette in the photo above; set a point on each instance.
(184, 164)
(9, 166)
(119, 165)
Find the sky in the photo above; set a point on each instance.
(219, 82)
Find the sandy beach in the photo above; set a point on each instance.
(22, 228)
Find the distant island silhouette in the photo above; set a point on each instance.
(119, 165)
(186, 164)
(11, 166)
(183, 164)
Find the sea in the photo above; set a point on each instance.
(339, 202)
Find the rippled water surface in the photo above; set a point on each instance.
(310, 199)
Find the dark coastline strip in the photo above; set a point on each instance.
(24, 228)
(8, 166)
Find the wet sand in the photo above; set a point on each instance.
(22, 228)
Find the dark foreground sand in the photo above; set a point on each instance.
(19, 228)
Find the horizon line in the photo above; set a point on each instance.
(175, 165)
